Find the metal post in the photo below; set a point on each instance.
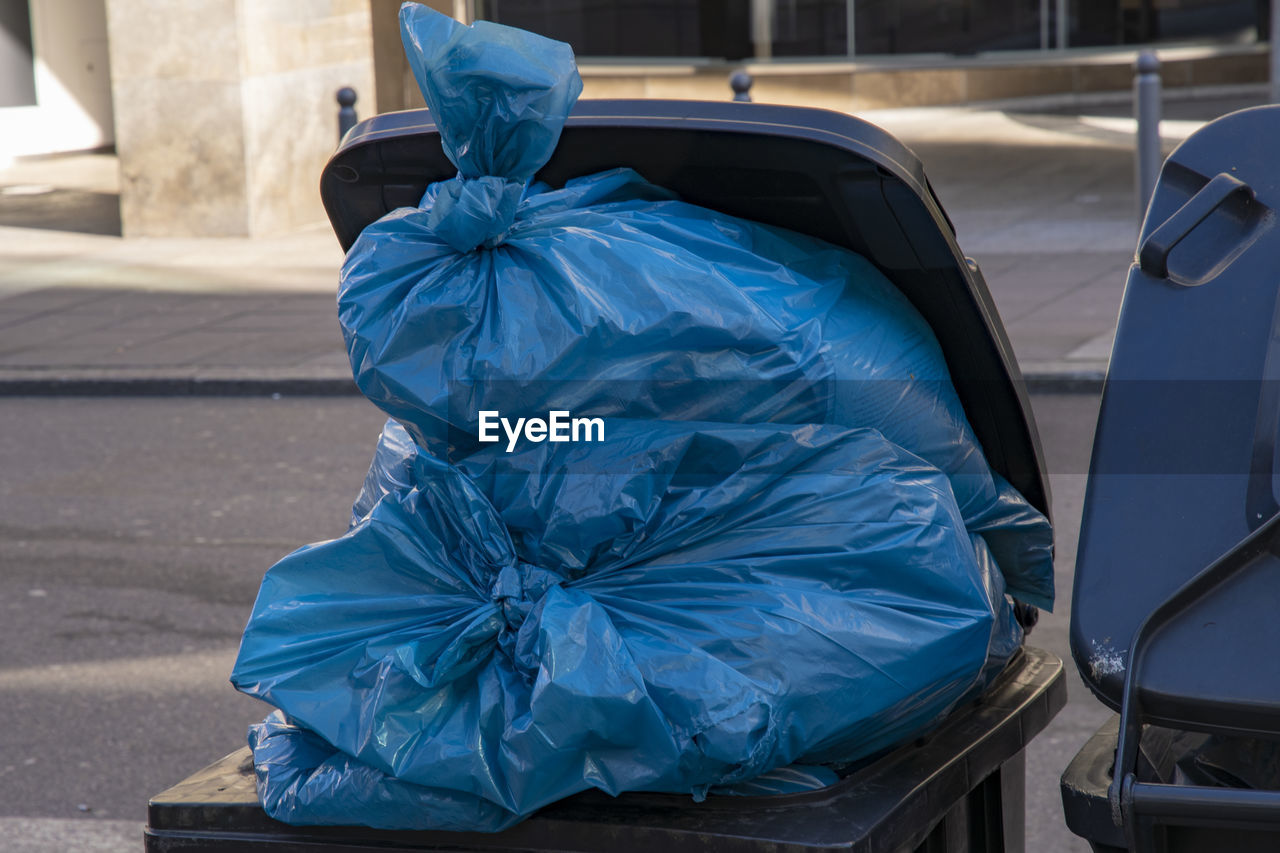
(1044, 24)
(850, 31)
(1146, 97)
(740, 83)
(1275, 51)
(1064, 23)
(346, 111)
(762, 28)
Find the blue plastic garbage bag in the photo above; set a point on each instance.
(682, 606)
(787, 551)
(609, 297)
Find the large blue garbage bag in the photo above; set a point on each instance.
(683, 606)
(788, 549)
(609, 297)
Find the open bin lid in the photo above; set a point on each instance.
(1181, 525)
(822, 173)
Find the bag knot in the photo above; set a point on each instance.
(518, 588)
(468, 213)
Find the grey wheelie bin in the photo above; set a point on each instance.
(960, 788)
(1176, 619)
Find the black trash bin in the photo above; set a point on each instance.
(838, 178)
(1176, 609)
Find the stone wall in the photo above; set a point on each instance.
(397, 89)
(225, 111)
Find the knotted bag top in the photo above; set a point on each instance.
(499, 97)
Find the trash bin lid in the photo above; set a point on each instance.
(1184, 463)
(818, 172)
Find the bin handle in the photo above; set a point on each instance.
(1131, 799)
(1153, 257)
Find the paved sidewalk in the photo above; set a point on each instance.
(1041, 197)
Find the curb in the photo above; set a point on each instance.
(171, 383)
(1079, 382)
(1065, 376)
(1073, 381)
(177, 386)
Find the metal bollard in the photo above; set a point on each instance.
(1146, 104)
(346, 111)
(1275, 54)
(740, 83)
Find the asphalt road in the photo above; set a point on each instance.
(133, 535)
(1066, 423)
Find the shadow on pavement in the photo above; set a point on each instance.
(57, 209)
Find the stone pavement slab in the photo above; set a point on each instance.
(60, 338)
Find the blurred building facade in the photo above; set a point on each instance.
(222, 111)
(55, 81)
(741, 29)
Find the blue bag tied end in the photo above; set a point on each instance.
(518, 588)
(500, 97)
(473, 212)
